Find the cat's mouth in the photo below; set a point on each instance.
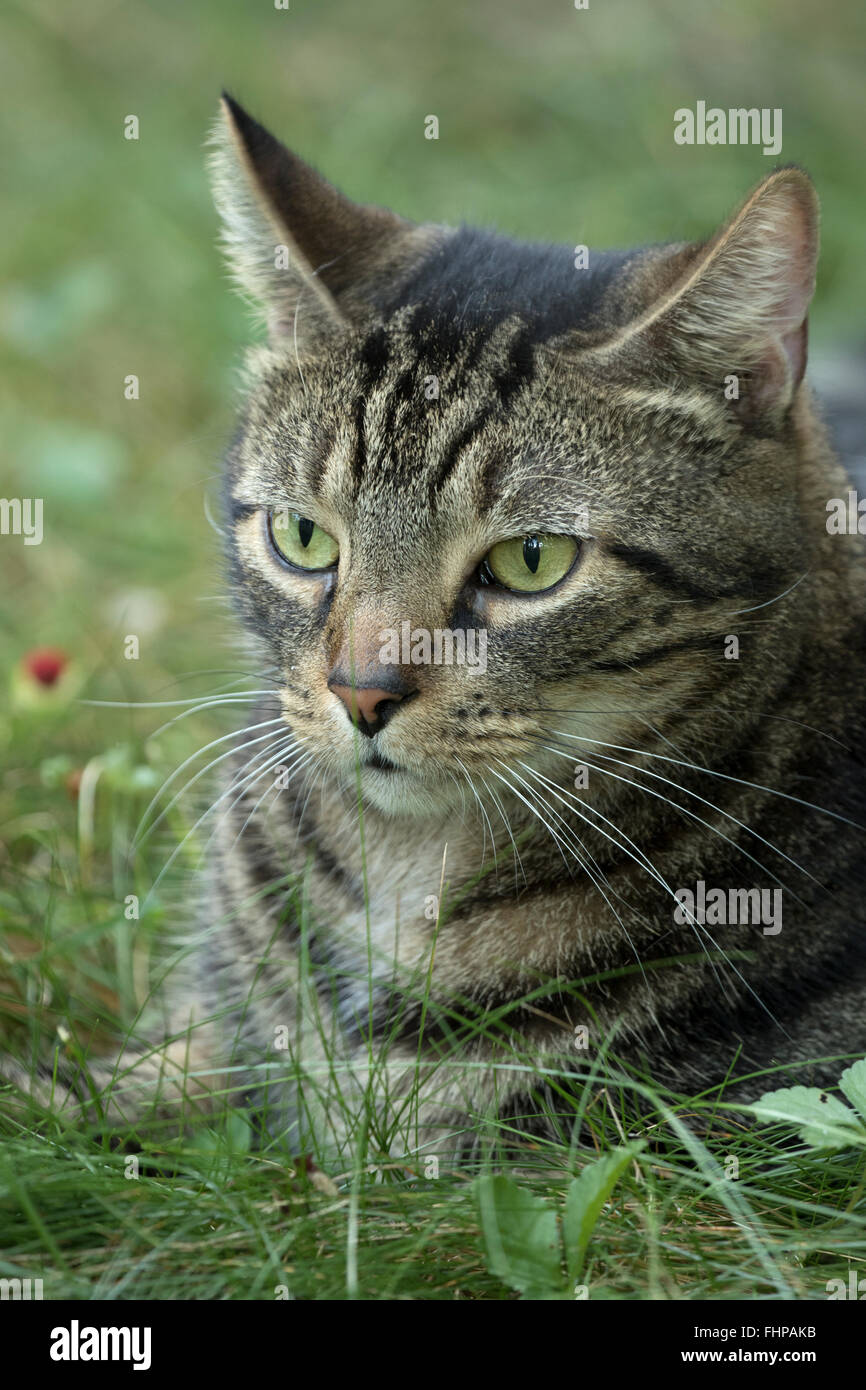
(379, 763)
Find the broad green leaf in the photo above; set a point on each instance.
(822, 1120)
(520, 1234)
(232, 1141)
(238, 1132)
(853, 1084)
(586, 1196)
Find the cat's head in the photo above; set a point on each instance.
(568, 475)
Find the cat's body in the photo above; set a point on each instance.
(427, 394)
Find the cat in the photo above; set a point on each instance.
(430, 882)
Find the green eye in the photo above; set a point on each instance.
(529, 564)
(300, 541)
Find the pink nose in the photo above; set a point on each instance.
(363, 702)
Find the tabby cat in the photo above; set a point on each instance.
(432, 878)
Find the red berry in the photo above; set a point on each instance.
(45, 664)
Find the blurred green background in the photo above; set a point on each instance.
(554, 122)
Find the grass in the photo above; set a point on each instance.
(553, 123)
(220, 1212)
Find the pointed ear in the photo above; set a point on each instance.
(299, 249)
(737, 306)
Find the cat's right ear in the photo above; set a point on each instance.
(300, 250)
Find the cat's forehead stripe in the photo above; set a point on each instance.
(395, 367)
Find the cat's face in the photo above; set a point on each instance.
(489, 510)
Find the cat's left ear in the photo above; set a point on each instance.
(733, 313)
(297, 247)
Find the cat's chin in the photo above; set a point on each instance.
(401, 795)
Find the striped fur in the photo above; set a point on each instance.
(588, 402)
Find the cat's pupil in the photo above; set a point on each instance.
(531, 553)
(305, 530)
